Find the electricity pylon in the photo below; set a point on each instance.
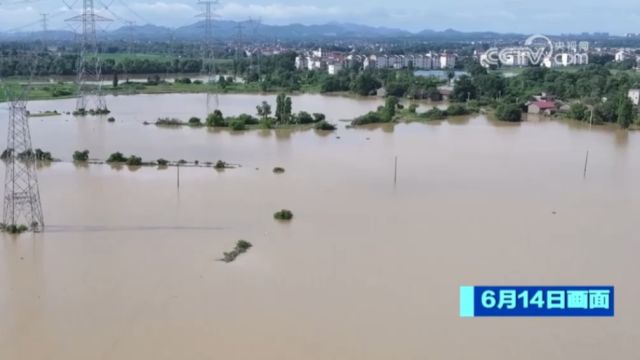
(238, 47)
(208, 56)
(255, 27)
(22, 204)
(45, 29)
(89, 68)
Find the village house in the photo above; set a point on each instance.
(546, 107)
(634, 96)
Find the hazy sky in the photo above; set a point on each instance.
(539, 16)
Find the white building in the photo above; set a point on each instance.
(301, 63)
(634, 95)
(369, 62)
(382, 62)
(622, 55)
(334, 68)
(447, 61)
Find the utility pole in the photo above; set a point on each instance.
(586, 160)
(208, 56)
(89, 68)
(395, 173)
(22, 204)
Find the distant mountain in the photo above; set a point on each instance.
(227, 30)
(454, 35)
(141, 33)
(230, 29)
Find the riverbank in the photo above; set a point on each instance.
(67, 90)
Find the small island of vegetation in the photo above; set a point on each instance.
(282, 118)
(283, 215)
(13, 229)
(37, 155)
(242, 247)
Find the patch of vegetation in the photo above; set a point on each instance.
(134, 161)
(111, 119)
(241, 248)
(578, 111)
(216, 119)
(163, 162)
(283, 215)
(434, 114)
(325, 126)
(278, 170)
(220, 165)
(45, 114)
(237, 125)
(81, 156)
(6, 154)
(384, 114)
(117, 157)
(509, 112)
(43, 155)
(457, 110)
(29, 155)
(13, 228)
(85, 112)
(169, 122)
(195, 121)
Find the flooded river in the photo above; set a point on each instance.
(366, 270)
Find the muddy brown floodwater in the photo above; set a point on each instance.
(128, 269)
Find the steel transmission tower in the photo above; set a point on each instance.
(89, 69)
(45, 29)
(238, 46)
(21, 192)
(208, 56)
(255, 25)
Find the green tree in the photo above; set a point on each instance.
(280, 99)
(625, 112)
(464, 89)
(578, 111)
(304, 118)
(389, 109)
(365, 84)
(264, 110)
(509, 112)
(115, 80)
(81, 156)
(216, 119)
(451, 75)
(287, 110)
